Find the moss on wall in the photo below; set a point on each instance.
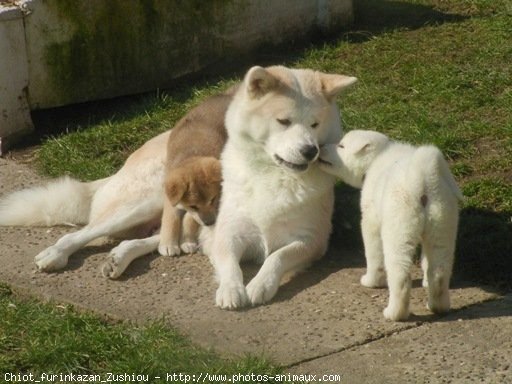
(126, 46)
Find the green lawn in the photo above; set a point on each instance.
(430, 71)
(51, 338)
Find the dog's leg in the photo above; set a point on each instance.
(226, 257)
(56, 256)
(189, 243)
(440, 262)
(170, 231)
(439, 251)
(231, 241)
(398, 259)
(122, 256)
(375, 276)
(292, 257)
(424, 267)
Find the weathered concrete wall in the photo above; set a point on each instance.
(93, 49)
(14, 110)
(81, 50)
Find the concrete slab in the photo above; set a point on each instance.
(320, 312)
(473, 345)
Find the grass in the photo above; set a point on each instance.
(430, 71)
(50, 338)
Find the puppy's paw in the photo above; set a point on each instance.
(439, 304)
(51, 259)
(262, 289)
(189, 247)
(374, 281)
(231, 296)
(169, 249)
(396, 313)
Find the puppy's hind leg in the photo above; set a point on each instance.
(438, 250)
(375, 276)
(440, 261)
(122, 256)
(398, 259)
(124, 217)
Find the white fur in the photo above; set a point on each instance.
(408, 197)
(121, 256)
(268, 211)
(50, 204)
(130, 199)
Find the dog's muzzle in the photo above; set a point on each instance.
(293, 166)
(310, 152)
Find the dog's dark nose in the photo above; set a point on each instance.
(209, 221)
(309, 151)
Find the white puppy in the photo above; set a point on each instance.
(276, 202)
(409, 197)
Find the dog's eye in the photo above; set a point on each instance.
(314, 125)
(284, 122)
(340, 146)
(193, 207)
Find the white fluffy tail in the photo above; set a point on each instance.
(431, 161)
(63, 201)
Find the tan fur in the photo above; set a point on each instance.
(193, 175)
(129, 203)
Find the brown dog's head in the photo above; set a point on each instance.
(195, 187)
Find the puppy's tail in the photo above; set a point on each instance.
(62, 201)
(433, 166)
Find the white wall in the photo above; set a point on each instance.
(81, 50)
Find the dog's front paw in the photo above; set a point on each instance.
(51, 259)
(374, 281)
(262, 289)
(190, 247)
(231, 296)
(169, 249)
(116, 262)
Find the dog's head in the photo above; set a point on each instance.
(195, 187)
(289, 113)
(353, 155)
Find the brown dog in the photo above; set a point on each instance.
(193, 175)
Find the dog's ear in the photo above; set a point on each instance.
(332, 85)
(259, 81)
(363, 147)
(175, 187)
(216, 171)
(361, 142)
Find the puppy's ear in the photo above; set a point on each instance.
(259, 81)
(216, 171)
(363, 147)
(332, 85)
(175, 187)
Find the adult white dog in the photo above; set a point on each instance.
(276, 202)
(409, 197)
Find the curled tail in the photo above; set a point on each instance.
(63, 201)
(432, 165)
